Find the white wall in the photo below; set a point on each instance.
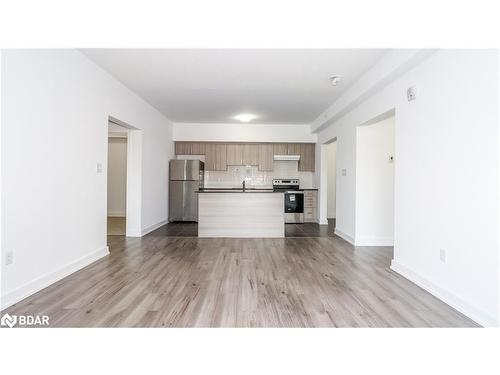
(446, 176)
(55, 104)
(117, 176)
(331, 180)
(243, 132)
(375, 184)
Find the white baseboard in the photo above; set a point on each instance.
(447, 297)
(153, 227)
(345, 236)
(133, 233)
(374, 241)
(44, 281)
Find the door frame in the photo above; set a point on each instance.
(323, 189)
(134, 179)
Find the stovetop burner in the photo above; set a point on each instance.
(282, 184)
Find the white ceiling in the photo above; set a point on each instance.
(212, 85)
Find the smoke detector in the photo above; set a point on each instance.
(334, 80)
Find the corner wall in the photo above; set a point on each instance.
(446, 176)
(55, 110)
(375, 184)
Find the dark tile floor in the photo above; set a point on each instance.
(291, 230)
(310, 229)
(186, 229)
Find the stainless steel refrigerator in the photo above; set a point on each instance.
(186, 177)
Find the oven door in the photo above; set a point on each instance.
(294, 207)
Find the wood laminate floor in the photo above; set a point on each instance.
(161, 281)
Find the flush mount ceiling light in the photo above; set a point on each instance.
(245, 117)
(334, 80)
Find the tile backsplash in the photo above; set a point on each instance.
(235, 174)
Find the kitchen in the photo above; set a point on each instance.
(243, 189)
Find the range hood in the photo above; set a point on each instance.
(287, 157)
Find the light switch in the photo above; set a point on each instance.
(99, 168)
(344, 172)
(442, 255)
(411, 93)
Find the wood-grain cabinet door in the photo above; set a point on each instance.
(221, 160)
(210, 157)
(182, 148)
(251, 154)
(280, 148)
(215, 157)
(307, 153)
(197, 148)
(189, 148)
(293, 149)
(234, 154)
(266, 157)
(310, 205)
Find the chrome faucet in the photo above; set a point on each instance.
(243, 183)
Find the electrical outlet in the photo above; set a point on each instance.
(442, 255)
(9, 258)
(344, 172)
(99, 168)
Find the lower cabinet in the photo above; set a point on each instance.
(310, 206)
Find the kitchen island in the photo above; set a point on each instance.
(240, 213)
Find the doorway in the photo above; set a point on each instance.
(374, 223)
(328, 185)
(117, 180)
(331, 212)
(124, 176)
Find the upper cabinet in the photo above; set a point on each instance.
(307, 152)
(234, 154)
(242, 154)
(215, 157)
(190, 148)
(182, 148)
(198, 148)
(266, 157)
(251, 154)
(280, 148)
(219, 155)
(293, 148)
